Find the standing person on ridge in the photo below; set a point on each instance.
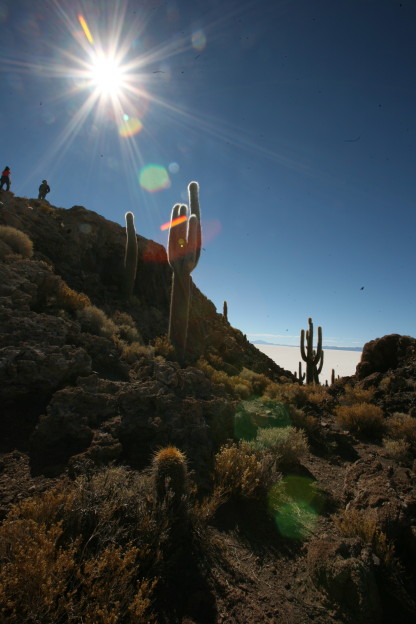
(5, 178)
(43, 190)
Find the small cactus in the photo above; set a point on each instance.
(170, 475)
(225, 311)
(130, 257)
(332, 376)
(184, 248)
(314, 359)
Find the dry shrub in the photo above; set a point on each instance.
(134, 351)
(15, 241)
(386, 383)
(287, 393)
(69, 299)
(402, 426)
(363, 524)
(300, 420)
(316, 394)
(81, 553)
(397, 449)
(258, 381)
(234, 384)
(163, 347)
(241, 471)
(287, 445)
(360, 418)
(126, 327)
(95, 321)
(353, 395)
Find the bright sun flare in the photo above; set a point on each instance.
(107, 76)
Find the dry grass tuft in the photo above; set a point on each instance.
(69, 299)
(287, 445)
(363, 524)
(236, 385)
(361, 418)
(80, 553)
(353, 395)
(95, 321)
(402, 426)
(397, 449)
(15, 241)
(163, 347)
(240, 471)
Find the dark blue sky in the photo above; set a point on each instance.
(297, 118)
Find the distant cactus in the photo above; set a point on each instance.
(225, 311)
(333, 376)
(184, 248)
(130, 257)
(314, 359)
(170, 476)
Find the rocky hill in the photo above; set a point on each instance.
(284, 503)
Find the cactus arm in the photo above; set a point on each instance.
(193, 193)
(319, 351)
(302, 345)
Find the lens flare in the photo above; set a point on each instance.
(173, 167)
(153, 178)
(199, 40)
(170, 224)
(253, 414)
(130, 127)
(295, 503)
(85, 28)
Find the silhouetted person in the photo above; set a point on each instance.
(5, 178)
(43, 190)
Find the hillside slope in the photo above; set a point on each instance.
(319, 525)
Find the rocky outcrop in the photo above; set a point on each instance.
(67, 394)
(343, 570)
(385, 353)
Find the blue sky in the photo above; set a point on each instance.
(296, 117)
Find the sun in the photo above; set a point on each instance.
(107, 75)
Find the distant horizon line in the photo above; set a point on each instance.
(276, 344)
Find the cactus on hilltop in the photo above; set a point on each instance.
(184, 248)
(314, 358)
(130, 256)
(225, 311)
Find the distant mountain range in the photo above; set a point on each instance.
(275, 344)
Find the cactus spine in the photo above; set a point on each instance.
(184, 248)
(225, 311)
(314, 359)
(170, 476)
(130, 257)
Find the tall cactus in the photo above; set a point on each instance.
(225, 311)
(314, 359)
(184, 248)
(130, 257)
